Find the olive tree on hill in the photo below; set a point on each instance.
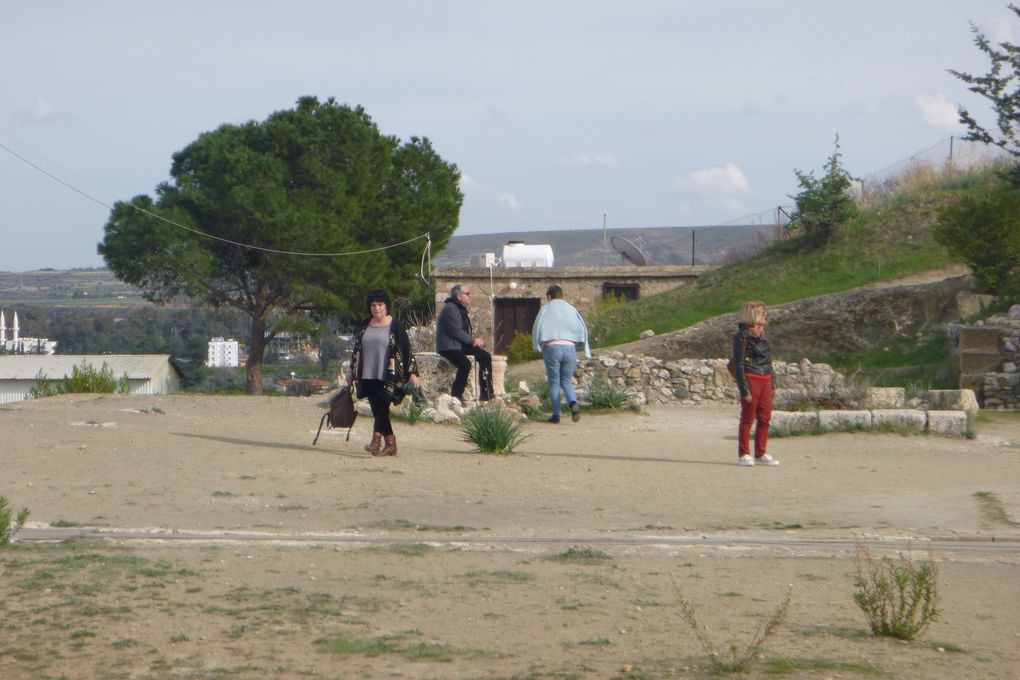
(1001, 87)
(983, 226)
(253, 208)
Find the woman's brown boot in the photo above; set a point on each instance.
(391, 446)
(374, 445)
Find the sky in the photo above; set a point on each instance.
(560, 114)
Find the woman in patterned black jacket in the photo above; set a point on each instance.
(382, 363)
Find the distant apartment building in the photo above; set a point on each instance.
(22, 345)
(223, 353)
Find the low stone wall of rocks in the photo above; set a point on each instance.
(950, 423)
(693, 381)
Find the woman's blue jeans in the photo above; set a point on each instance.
(560, 363)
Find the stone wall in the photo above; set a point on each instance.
(582, 286)
(649, 380)
(1000, 384)
(693, 381)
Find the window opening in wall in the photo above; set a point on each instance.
(624, 292)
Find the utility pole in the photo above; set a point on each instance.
(603, 239)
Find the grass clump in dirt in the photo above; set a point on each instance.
(604, 393)
(492, 431)
(586, 555)
(994, 509)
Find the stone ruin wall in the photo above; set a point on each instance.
(990, 359)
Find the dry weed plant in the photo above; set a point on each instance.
(738, 661)
(421, 331)
(898, 597)
(920, 176)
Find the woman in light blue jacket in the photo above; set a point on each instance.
(558, 332)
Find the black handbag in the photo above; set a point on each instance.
(341, 413)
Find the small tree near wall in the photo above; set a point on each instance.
(823, 204)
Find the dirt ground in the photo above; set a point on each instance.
(207, 537)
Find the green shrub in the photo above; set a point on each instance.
(520, 349)
(823, 204)
(84, 379)
(492, 431)
(7, 529)
(43, 387)
(541, 388)
(414, 412)
(899, 598)
(984, 230)
(604, 393)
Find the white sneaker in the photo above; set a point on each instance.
(746, 460)
(766, 460)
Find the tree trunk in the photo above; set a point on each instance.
(256, 354)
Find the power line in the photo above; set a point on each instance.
(204, 234)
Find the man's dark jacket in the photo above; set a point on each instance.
(453, 328)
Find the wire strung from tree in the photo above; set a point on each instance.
(427, 236)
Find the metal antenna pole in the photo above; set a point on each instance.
(603, 239)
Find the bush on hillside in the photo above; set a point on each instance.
(823, 204)
(984, 230)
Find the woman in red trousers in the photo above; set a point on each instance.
(752, 362)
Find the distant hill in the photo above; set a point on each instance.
(578, 247)
(98, 287)
(67, 288)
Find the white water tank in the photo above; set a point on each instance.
(520, 254)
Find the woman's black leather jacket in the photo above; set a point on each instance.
(751, 354)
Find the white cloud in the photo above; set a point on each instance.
(468, 183)
(1001, 30)
(938, 112)
(510, 200)
(475, 190)
(41, 111)
(725, 179)
(583, 160)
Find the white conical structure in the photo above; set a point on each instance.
(3, 329)
(16, 328)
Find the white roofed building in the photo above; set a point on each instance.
(146, 373)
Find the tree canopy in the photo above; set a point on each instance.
(1001, 87)
(253, 208)
(983, 227)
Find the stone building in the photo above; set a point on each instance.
(507, 299)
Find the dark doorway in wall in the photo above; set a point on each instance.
(625, 292)
(512, 316)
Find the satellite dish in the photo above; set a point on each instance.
(628, 251)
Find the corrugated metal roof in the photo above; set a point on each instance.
(56, 366)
